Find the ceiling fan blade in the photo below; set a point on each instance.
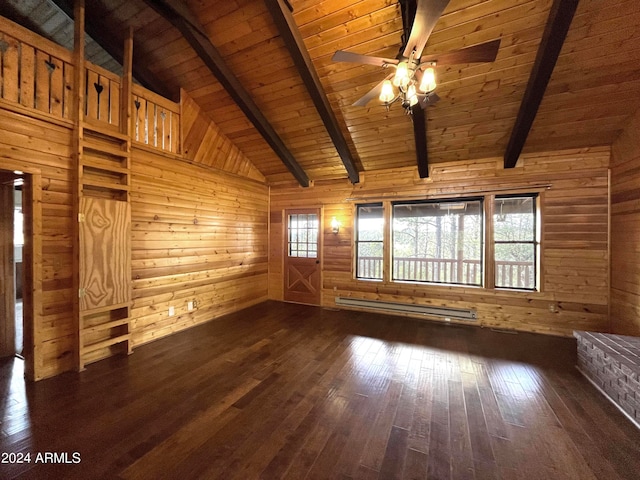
(430, 99)
(391, 51)
(342, 56)
(428, 13)
(371, 94)
(484, 52)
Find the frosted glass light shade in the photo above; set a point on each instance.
(428, 83)
(401, 78)
(411, 95)
(386, 93)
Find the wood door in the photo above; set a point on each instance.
(302, 256)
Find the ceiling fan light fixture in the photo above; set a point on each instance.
(428, 83)
(401, 78)
(386, 92)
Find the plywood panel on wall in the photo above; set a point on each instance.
(625, 231)
(198, 235)
(574, 187)
(104, 253)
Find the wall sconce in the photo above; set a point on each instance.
(335, 226)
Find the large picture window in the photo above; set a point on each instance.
(515, 241)
(369, 241)
(438, 242)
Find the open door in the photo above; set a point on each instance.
(302, 256)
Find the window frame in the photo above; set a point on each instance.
(357, 242)
(488, 244)
(536, 242)
(481, 200)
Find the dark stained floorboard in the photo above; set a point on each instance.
(282, 391)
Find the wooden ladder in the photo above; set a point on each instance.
(104, 295)
(103, 207)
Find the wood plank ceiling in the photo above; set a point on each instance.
(594, 87)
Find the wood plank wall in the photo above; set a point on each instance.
(34, 145)
(625, 230)
(198, 233)
(205, 144)
(574, 238)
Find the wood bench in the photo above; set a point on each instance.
(612, 364)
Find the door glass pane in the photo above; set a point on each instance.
(303, 235)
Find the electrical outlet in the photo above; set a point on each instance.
(172, 311)
(195, 303)
(190, 305)
(553, 308)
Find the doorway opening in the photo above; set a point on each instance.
(13, 255)
(18, 271)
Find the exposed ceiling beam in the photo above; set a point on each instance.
(555, 32)
(178, 14)
(104, 36)
(418, 116)
(281, 14)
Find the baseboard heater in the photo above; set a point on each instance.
(467, 314)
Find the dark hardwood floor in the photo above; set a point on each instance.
(283, 391)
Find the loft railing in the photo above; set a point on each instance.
(37, 75)
(101, 96)
(156, 120)
(446, 270)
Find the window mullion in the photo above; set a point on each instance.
(489, 242)
(387, 263)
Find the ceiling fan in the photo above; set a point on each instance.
(414, 76)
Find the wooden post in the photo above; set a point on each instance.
(181, 133)
(78, 109)
(32, 262)
(127, 85)
(125, 121)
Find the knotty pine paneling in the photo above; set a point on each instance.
(625, 230)
(36, 146)
(205, 144)
(574, 237)
(197, 235)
